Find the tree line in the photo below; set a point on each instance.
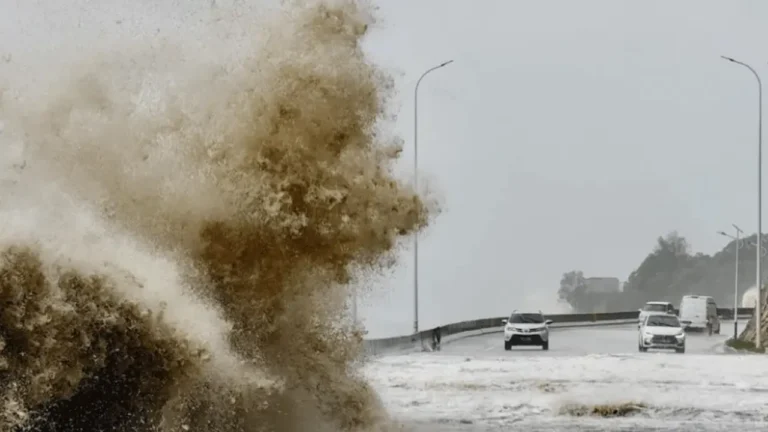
(669, 272)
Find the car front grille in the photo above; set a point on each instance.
(664, 339)
(526, 339)
(528, 330)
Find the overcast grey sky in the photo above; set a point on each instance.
(567, 135)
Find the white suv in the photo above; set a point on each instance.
(654, 307)
(661, 330)
(526, 329)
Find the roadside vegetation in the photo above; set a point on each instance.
(742, 345)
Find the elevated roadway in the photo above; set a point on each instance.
(617, 339)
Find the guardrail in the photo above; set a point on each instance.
(421, 340)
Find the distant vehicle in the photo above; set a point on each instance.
(526, 329)
(654, 307)
(698, 313)
(660, 330)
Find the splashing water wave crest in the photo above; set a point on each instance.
(176, 247)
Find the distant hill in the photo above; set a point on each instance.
(669, 272)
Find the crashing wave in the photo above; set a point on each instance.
(175, 252)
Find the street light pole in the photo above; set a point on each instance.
(758, 250)
(416, 190)
(737, 246)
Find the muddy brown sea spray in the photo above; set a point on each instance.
(175, 252)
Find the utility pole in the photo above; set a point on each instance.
(737, 246)
(758, 249)
(416, 190)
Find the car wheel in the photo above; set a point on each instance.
(680, 350)
(642, 348)
(545, 346)
(507, 345)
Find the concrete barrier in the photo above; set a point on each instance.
(451, 332)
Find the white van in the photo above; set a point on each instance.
(696, 310)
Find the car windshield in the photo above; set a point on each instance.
(663, 321)
(655, 307)
(524, 318)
